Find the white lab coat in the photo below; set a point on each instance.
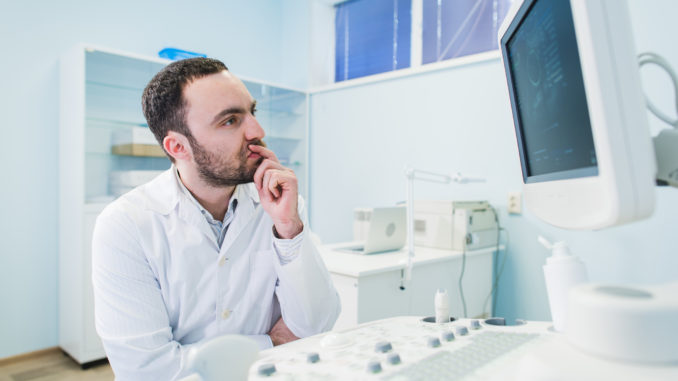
(161, 283)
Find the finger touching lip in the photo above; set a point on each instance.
(262, 151)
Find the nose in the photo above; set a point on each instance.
(254, 130)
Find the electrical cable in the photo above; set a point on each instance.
(461, 277)
(463, 265)
(653, 58)
(497, 273)
(495, 258)
(495, 283)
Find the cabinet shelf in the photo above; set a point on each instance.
(93, 122)
(138, 150)
(114, 86)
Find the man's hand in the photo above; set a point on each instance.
(278, 192)
(280, 334)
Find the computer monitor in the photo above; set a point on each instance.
(579, 114)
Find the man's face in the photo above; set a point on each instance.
(220, 116)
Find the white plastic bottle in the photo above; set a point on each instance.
(562, 271)
(442, 306)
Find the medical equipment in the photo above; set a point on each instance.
(666, 142)
(416, 174)
(562, 271)
(409, 348)
(454, 225)
(625, 323)
(578, 110)
(588, 162)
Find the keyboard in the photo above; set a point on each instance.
(455, 365)
(402, 348)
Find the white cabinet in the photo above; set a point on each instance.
(369, 285)
(100, 98)
(100, 110)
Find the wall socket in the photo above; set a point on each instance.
(515, 203)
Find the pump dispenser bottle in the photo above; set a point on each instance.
(562, 271)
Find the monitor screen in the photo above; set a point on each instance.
(548, 96)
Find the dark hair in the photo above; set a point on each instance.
(162, 101)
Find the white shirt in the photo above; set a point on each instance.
(219, 228)
(162, 283)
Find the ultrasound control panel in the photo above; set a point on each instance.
(402, 348)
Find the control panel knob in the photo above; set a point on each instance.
(373, 367)
(393, 359)
(266, 370)
(433, 342)
(462, 331)
(313, 357)
(475, 324)
(383, 347)
(447, 336)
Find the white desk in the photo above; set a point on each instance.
(369, 285)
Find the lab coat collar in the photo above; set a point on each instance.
(164, 195)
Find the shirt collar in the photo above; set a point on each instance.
(232, 203)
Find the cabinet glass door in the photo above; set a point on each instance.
(120, 150)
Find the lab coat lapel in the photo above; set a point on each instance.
(248, 206)
(190, 213)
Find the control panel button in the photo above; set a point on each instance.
(475, 324)
(433, 342)
(266, 369)
(373, 367)
(313, 357)
(447, 336)
(383, 347)
(393, 359)
(462, 331)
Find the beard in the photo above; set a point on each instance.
(218, 171)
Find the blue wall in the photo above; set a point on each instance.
(459, 119)
(248, 35)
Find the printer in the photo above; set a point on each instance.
(455, 225)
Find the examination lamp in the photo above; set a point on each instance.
(416, 174)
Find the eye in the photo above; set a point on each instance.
(230, 121)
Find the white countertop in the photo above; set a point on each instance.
(357, 265)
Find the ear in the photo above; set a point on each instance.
(177, 146)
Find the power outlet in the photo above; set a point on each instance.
(515, 203)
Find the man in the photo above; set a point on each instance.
(213, 246)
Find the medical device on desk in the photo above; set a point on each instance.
(455, 225)
(412, 349)
(417, 174)
(588, 160)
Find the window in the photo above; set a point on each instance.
(375, 36)
(455, 28)
(372, 36)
